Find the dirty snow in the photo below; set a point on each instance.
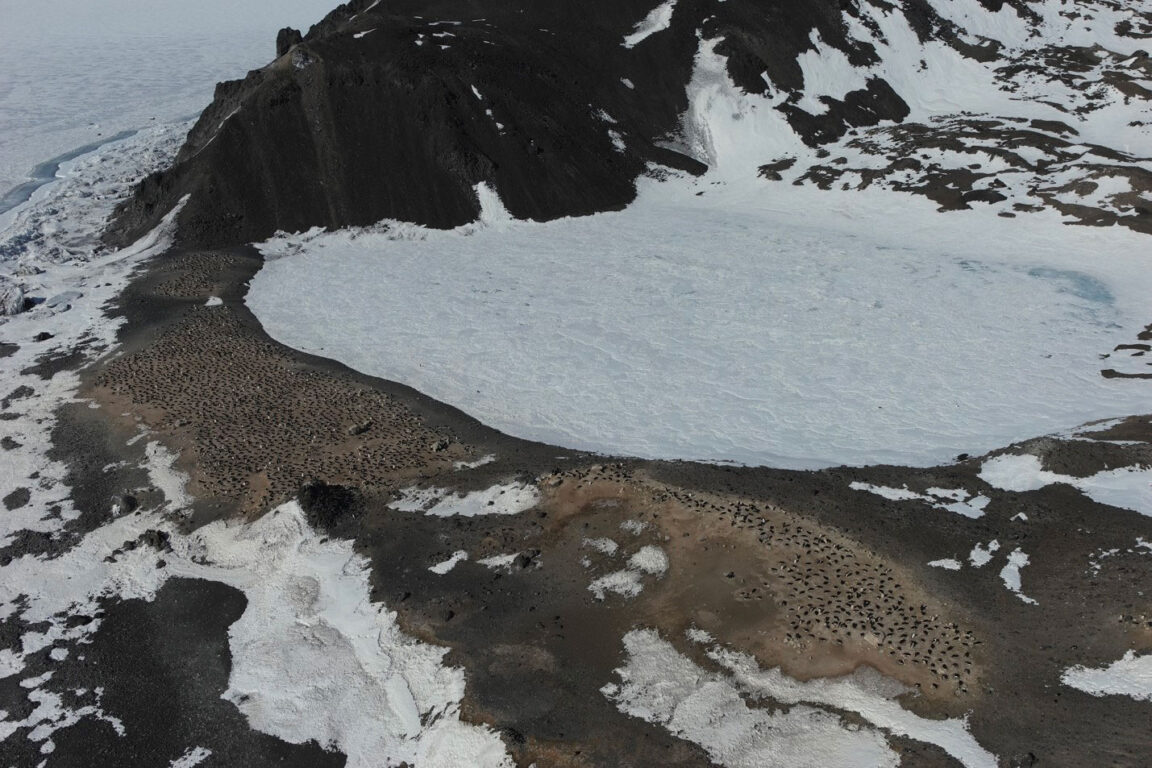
(1010, 574)
(657, 20)
(78, 72)
(650, 560)
(982, 555)
(500, 562)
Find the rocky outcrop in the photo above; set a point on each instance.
(400, 110)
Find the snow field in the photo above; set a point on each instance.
(741, 326)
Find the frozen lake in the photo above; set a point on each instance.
(798, 329)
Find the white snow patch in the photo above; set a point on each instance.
(660, 685)
(982, 555)
(634, 527)
(827, 73)
(500, 562)
(658, 19)
(697, 635)
(1010, 574)
(442, 568)
(948, 564)
(192, 758)
(650, 560)
(951, 499)
(980, 333)
(1020, 473)
(214, 301)
(627, 83)
(507, 499)
(1130, 676)
(604, 546)
(488, 459)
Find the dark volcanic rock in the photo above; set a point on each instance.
(399, 111)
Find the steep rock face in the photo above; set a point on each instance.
(399, 110)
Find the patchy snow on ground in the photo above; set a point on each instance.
(753, 322)
(745, 325)
(1130, 676)
(604, 546)
(982, 555)
(952, 499)
(1127, 487)
(312, 656)
(634, 527)
(649, 559)
(1010, 574)
(500, 562)
(948, 564)
(660, 685)
(657, 20)
(501, 499)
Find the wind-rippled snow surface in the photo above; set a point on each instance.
(800, 328)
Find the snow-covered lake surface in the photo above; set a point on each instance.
(75, 72)
(761, 325)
